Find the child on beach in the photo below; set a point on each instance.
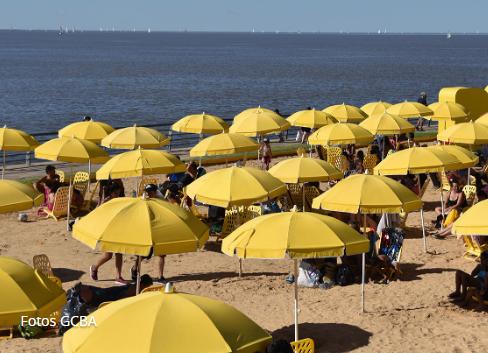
(265, 152)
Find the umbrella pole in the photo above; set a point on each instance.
(423, 228)
(303, 192)
(442, 208)
(138, 283)
(89, 174)
(3, 165)
(68, 212)
(295, 265)
(469, 177)
(363, 265)
(238, 221)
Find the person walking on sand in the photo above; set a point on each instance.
(265, 152)
(420, 121)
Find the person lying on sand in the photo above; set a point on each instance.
(474, 284)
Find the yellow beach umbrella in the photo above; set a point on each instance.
(483, 119)
(235, 186)
(93, 131)
(72, 150)
(304, 169)
(409, 110)
(346, 113)
(257, 122)
(163, 322)
(200, 124)
(222, 144)
(469, 133)
(375, 108)
(15, 140)
(311, 118)
(363, 193)
(136, 226)
(447, 111)
(140, 162)
(466, 158)
(387, 125)
(295, 235)
(341, 134)
(417, 160)
(15, 196)
(473, 221)
(133, 137)
(26, 292)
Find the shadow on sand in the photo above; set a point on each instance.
(328, 337)
(67, 274)
(216, 276)
(412, 272)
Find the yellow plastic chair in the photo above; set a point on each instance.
(153, 288)
(370, 161)
(42, 264)
(472, 249)
(296, 194)
(61, 175)
(334, 155)
(470, 194)
(144, 182)
(80, 182)
(305, 345)
(445, 182)
(311, 192)
(60, 206)
(251, 212)
(233, 218)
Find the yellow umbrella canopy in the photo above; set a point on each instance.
(447, 111)
(200, 124)
(467, 158)
(304, 169)
(311, 118)
(417, 160)
(93, 131)
(362, 193)
(235, 186)
(483, 119)
(71, 149)
(341, 134)
(375, 108)
(473, 221)
(386, 124)
(258, 121)
(294, 235)
(135, 226)
(15, 196)
(346, 113)
(409, 109)
(140, 162)
(161, 322)
(26, 292)
(469, 133)
(225, 143)
(133, 137)
(16, 140)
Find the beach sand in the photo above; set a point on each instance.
(408, 315)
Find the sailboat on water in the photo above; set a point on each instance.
(449, 35)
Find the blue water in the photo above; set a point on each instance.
(47, 80)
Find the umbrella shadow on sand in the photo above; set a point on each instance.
(328, 337)
(67, 274)
(216, 276)
(414, 272)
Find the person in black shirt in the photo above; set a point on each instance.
(420, 122)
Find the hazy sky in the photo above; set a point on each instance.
(244, 15)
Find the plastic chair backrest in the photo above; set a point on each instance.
(296, 194)
(80, 182)
(344, 166)
(334, 156)
(153, 288)
(305, 345)
(445, 182)
(470, 193)
(251, 212)
(233, 219)
(370, 161)
(42, 264)
(61, 175)
(60, 206)
(311, 192)
(144, 182)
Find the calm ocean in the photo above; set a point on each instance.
(48, 80)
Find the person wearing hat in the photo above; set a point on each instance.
(474, 284)
(151, 191)
(265, 153)
(420, 121)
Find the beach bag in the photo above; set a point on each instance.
(344, 275)
(391, 243)
(308, 275)
(74, 307)
(451, 217)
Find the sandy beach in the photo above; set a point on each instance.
(412, 314)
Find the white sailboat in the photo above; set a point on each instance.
(149, 30)
(449, 35)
